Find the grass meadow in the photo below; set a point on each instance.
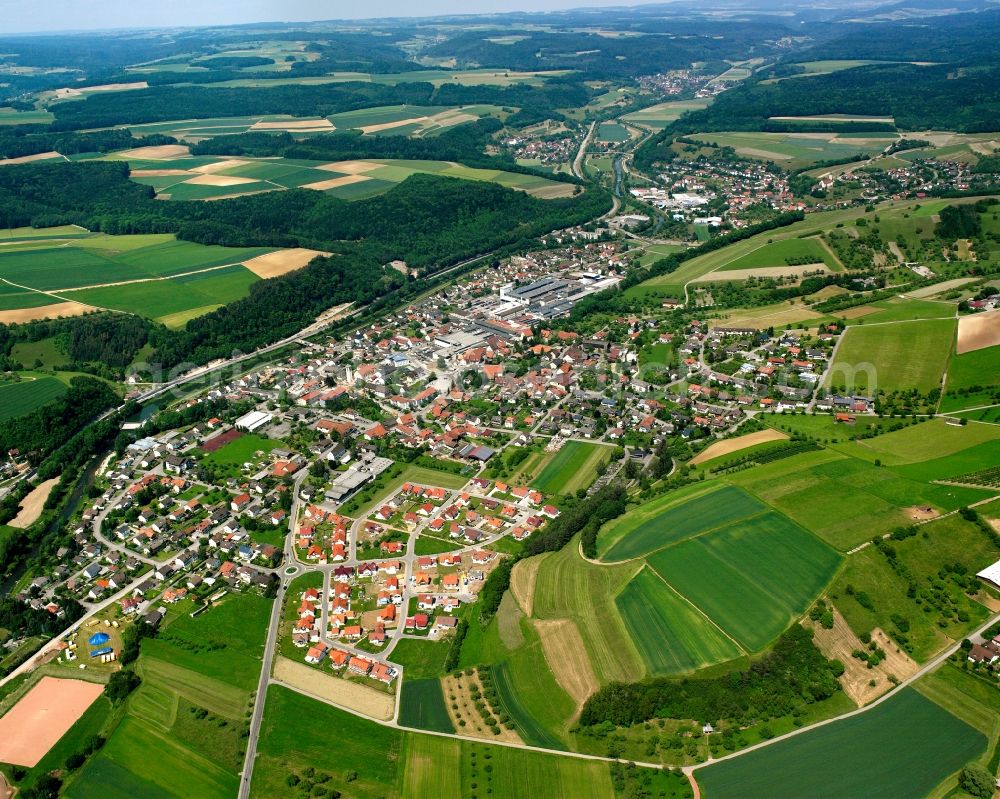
(573, 467)
(894, 357)
(809, 251)
(904, 747)
(973, 380)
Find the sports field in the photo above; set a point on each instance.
(904, 747)
(42, 717)
(672, 636)
(673, 518)
(893, 357)
(752, 578)
(573, 467)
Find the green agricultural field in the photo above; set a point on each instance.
(612, 132)
(846, 501)
(973, 380)
(450, 769)
(893, 357)
(905, 309)
(285, 749)
(521, 706)
(422, 706)
(657, 117)
(173, 301)
(751, 578)
(573, 467)
(230, 638)
(96, 259)
(780, 253)
(17, 399)
(797, 150)
(927, 442)
(673, 518)
(250, 176)
(141, 760)
(672, 636)
(903, 747)
(567, 587)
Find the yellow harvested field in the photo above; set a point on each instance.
(57, 310)
(159, 173)
(522, 582)
(27, 159)
(768, 315)
(33, 726)
(345, 693)
(731, 445)
(281, 262)
(351, 167)
(332, 183)
(840, 643)
(938, 288)
(69, 91)
(33, 504)
(390, 125)
(551, 192)
(219, 180)
(768, 154)
(162, 152)
(978, 331)
(567, 658)
(857, 311)
(762, 271)
(305, 125)
(217, 166)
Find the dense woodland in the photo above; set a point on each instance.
(44, 430)
(781, 683)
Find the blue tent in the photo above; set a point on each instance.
(98, 638)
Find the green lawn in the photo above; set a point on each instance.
(241, 450)
(903, 747)
(893, 357)
(752, 578)
(573, 467)
(672, 636)
(673, 517)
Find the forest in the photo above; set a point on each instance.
(789, 677)
(917, 97)
(17, 141)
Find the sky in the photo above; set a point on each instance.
(21, 16)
